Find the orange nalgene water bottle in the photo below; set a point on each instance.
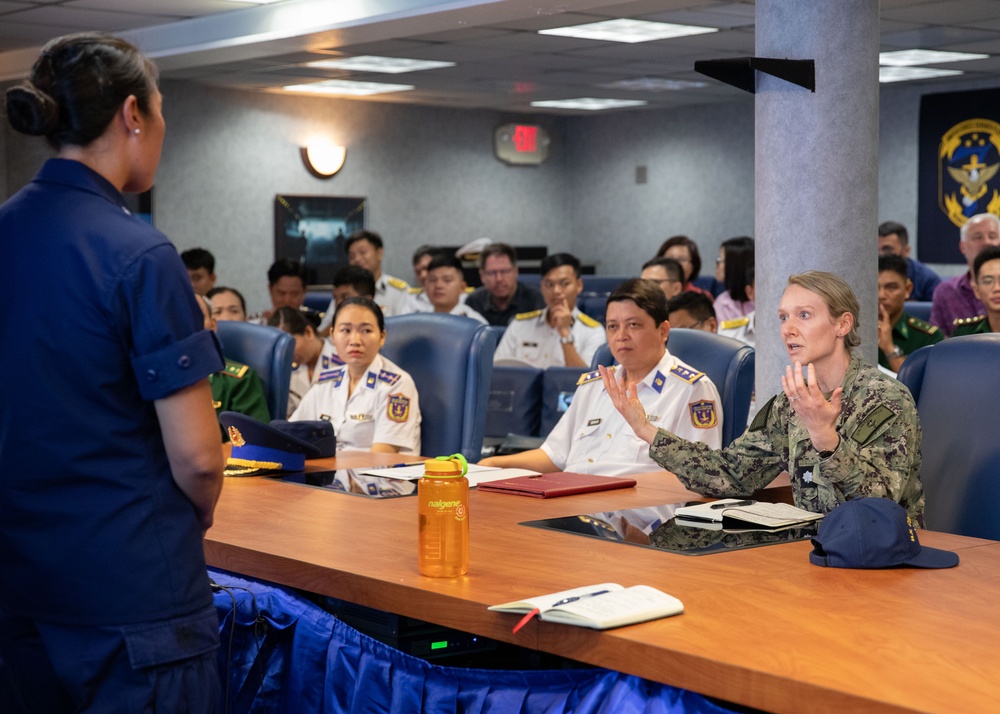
(443, 507)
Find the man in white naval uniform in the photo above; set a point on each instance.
(560, 335)
(446, 285)
(364, 248)
(592, 437)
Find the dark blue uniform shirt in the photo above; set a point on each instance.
(98, 320)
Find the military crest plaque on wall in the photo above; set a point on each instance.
(958, 168)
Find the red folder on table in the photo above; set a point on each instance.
(553, 485)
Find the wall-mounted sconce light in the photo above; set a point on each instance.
(322, 158)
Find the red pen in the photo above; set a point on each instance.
(524, 620)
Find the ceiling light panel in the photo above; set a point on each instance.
(588, 103)
(348, 88)
(905, 74)
(630, 31)
(654, 84)
(910, 58)
(385, 65)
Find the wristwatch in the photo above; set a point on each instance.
(567, 340)
(896, 352)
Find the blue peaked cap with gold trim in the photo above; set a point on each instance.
(279, 446)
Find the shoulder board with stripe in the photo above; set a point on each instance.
(686, 375)
(734, 323)
(588, 320)
(588, 377)
(527, 315)
(334, 374)
(416, 291)
(969, 320)
(397, 283)
(389, 378)
(917, 324)
(235, 369)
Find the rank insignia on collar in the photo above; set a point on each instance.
(370, 381)
(658, 381)
(398, 408)
(703, 414)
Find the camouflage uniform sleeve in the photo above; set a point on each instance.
(879, 450)
(751, 462)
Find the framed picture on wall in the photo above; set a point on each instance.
(313, 230)
(141, 205)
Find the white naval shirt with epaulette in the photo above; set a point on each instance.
(301, 382)
(529, 338)
(740, 328)
(419, 302)
(592, 437)
(392, 295)
(383, 409)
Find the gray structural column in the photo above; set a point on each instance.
(816, 163)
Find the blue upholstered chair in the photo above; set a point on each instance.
(558, 388)
(955, 386)
(515, 405)
(318, 300)
(451, 360)
(593, 305)
(918, 309)
(269, 351)
(728, 363)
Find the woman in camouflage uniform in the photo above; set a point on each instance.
(842, 430)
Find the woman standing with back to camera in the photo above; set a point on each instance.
(110, 465)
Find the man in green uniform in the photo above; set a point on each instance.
(986, 285)
(899, 334)
(237, 388)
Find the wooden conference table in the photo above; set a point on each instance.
(762, 627)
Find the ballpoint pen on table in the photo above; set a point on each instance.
(716, 506)
(566, 600)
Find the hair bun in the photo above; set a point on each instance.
(31, 111)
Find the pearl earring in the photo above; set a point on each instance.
(136, 131)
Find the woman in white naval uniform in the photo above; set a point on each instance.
(313, 355)
(371, 402)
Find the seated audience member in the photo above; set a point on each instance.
(954, 298)
(286, 283)
(899, 334)
(200, 265)
(986, 270)
(446, 285)
(313, 356)
(418, 293)
(502, 295)
(684, 251)
(894, 240)
(352, 281)
(591, 437)
(862, 440)
(372, 403)
(237, 388)
(736, 265)
(365, 249)
(692, 311)
(227, 304)
(665, 272)
(559, 335)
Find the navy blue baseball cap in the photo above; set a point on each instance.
(260, 448)
(873, 533)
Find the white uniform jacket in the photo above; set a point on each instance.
(739, 328)
(530, 339)
(392, 295)
(592, 437)
(383, 409)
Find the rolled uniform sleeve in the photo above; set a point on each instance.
(170, 349)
